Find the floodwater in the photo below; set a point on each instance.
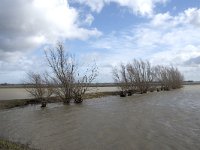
(13, 93)
(154, 121)
(21, 93)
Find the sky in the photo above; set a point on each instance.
(109, 32)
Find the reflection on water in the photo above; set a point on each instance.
(154, 121)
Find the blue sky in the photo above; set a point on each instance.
(164, 32)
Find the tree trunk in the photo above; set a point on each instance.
(78, 99)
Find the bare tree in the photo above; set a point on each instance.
(120, 77)
(83, 82)
(168, 77)
(63, 68)
(38, 87)
(69, 82)
(161, 75)
(142, 77)
(176, 78)
(49, 86)
(140, 74)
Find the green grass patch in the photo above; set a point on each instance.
(5, 104)
(8, 145)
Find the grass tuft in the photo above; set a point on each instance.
(8, 145)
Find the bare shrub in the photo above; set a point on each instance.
(38, 87)
(140, 75)
(121, 78)
(169, 77)
(83, 82)
(67, 77)
(176, 78)
(161, 76)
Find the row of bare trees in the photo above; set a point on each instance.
(141, 76)
(65, 80)
(168, 77)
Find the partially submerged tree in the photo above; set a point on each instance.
(120, 77)
(142, 77)
(140, 74)
(66, 77)
(82, 83)
(161, 75)
(63, 68)
(38, 87)
(168, 77)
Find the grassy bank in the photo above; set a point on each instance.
(99, 94)
(6, 104)
(7, 145)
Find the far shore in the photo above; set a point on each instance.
(6, 85)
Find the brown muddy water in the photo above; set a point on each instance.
(154, 121)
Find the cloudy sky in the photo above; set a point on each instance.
(164, 32)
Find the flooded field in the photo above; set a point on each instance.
(21, 93)
(153, 121)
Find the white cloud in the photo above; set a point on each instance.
(179, 35)
(89, 19)
(28, 24)
(190, 16)
(95, 5)
(165, 40)
(142, 7)
(161, 19)
(25, 24)
(14, 65)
